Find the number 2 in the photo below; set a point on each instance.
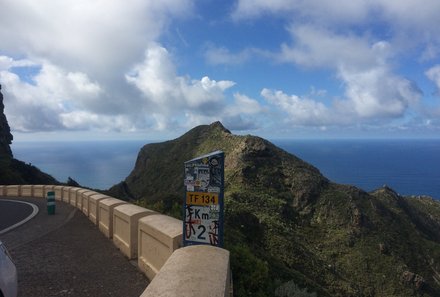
(203, 231)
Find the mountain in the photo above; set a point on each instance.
(13, 171)
(290, 230)
(5, 131)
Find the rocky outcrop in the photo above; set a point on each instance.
(413, 279)
(5, 132)
(383, 248)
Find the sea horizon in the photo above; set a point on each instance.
(409, 166)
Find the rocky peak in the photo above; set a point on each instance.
(5, 131)
(219, 126)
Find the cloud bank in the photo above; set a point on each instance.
(110, 66)
(345, 39)
(99, 65)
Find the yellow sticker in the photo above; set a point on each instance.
(199, 198)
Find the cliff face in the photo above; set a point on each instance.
(13, 171)
(290, 228)
(5, 131)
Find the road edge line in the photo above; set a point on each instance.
(35, 211)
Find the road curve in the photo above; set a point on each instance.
(14, 213)
(65, 254)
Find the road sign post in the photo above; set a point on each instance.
(203, 204)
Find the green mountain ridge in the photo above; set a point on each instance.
(290, 230)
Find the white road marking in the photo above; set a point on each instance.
(33, 214)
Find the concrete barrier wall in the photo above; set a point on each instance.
(198, 270)
(94, 207)
(13, 191)
(27, 190)
(125, 227)
(156, 240)
(158, 237)
(73, 194)
(59, 193)
(85, 197)
(39, 191)
(48, 188)
(80, 199)
(105, 209)
(66, 194)
(76, 199)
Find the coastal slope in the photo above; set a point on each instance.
(292, 231)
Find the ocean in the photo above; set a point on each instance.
(94, 164)
(411, 167)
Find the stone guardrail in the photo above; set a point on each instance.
(155, 240)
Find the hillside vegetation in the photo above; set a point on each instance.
(290, 230)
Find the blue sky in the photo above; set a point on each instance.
(141, 69)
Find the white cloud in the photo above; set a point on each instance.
(409, 23)
(93, 35)
(244, 105)
(406, 13)
(319, 10)
(158, 81)
(215, 55)
(7, 63)
(434, 74)
(340, 37)
(103, 64)
(82, 83)
(372, 89)
(197, 101)
(378, 93)
(53, 93)
(410, 14)
(221, 55)
(58, 99)
(84, 120)
(82, 50)
(244, 113)
(302, 111)
(318, 47)
(371, 94)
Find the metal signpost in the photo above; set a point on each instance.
(203, 204)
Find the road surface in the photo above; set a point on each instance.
(65, 255)
(14, 213)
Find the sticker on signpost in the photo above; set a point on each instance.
(201, 224)
(203, 204)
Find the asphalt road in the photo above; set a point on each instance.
(65, 254)
(13, 212)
